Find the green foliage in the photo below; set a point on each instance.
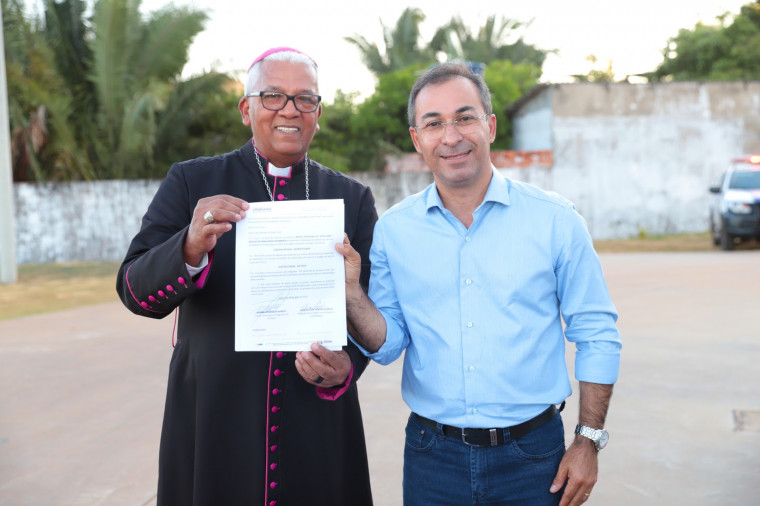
(41, 103)
(357, 137)
(727, 51)
(201, 118)
(101, 97)
(491, 43)
(402, 45)
(380, 125)
(334, 138)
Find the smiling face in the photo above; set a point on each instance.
(458, 161)
(283, 136)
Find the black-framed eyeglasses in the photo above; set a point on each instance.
(275, 100)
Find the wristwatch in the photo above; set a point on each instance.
(598, 436)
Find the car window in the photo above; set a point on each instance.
(745, 180)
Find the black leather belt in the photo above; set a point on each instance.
(492, 437)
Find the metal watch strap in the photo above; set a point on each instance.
(598, 436)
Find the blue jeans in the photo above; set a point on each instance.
(440, 470)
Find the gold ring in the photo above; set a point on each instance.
(587, 494)
(208, 217)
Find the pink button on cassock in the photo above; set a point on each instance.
(281, 197)
(274, 428)
(170, 288)
(162, 294)
(275, 391)
(278, 372)
(273, 466)
(275, 409)
(144, 304)
(273, 485)
(283, 182)
(280, 354)
(272, 503)
(182, 281)
(152, 298)
(272, 448)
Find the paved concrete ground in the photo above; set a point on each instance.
(81, 395)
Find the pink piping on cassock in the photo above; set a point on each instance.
(129, 286)
(266, 447)
(331, 394)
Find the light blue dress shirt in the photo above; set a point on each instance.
(479, 311)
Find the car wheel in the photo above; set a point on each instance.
(726, 240)
(714, 233)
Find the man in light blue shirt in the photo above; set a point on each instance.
(472, 278)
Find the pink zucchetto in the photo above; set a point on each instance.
(279, 50)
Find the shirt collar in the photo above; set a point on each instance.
(250, 151)
(498, 191)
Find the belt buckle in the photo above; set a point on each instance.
(492, 434)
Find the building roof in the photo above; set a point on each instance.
(513, 109)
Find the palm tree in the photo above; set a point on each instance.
(134, 70)
(402, 45)
(87, 98)
(42, 140)
(457, 41)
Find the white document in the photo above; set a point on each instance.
(289, 281)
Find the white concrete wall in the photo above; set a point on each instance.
(639, 158)
(95, 221)
(81, 221)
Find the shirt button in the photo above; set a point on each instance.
(469, 324)
(468, 281)
(467, 239)
(472, 368)
(475, 411)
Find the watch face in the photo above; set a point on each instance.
(603, 438)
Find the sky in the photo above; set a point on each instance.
(632, 35)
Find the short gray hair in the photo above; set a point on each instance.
(254, 73)
(444, 72)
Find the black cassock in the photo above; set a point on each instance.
(243, 428)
